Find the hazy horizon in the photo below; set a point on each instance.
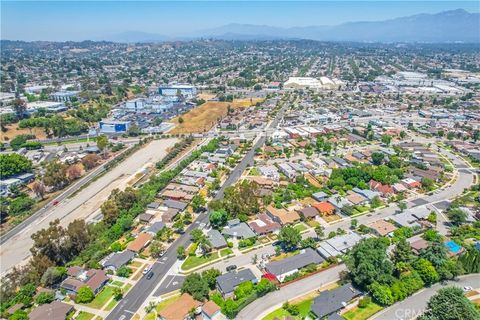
(92, 20)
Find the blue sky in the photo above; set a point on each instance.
(75, 20)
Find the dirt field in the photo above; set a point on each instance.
(206, 96)
(14, 131)
(204, 117)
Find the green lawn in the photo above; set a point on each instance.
(101, 298)
(117, 283)
(84, 316)
(111, 305)
(151, 316)
(165, 303)
(194, 261)
(303, 307)
(225, 252)
(362, 313)
(300, 227)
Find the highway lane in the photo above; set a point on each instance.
(415, 305)
(16, 249)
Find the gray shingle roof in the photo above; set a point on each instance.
(294, 262)
(241, 230)
(329, 302)
(216, 239)
(119, 259)
(227, 282)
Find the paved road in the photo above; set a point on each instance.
(16, 247)
(144, 288)
(415, 305)
(266, 304)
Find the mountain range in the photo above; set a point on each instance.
(448, 26)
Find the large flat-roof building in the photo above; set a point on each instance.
(172, 90)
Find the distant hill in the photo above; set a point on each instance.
(448, 26)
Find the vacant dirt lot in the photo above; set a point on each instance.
(13, 131)
(204, 117)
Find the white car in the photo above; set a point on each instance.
(467, 288)
(147, 270)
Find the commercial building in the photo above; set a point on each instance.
(113, 126)
(173, 90)
(64, 96)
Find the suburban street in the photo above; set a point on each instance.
(413, 306)
(16, 248)
(144, 288)
(266, 304)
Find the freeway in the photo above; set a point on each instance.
(15, 247)
(415, 305)
(145, 287)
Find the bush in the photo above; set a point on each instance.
(124, 271)
(20, 205)
(45, 297)
(84, 295)
(364, 302)
(13, 163)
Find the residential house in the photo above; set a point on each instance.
(282, 215)
(320, 196)
(369, 194)
(239, 231)
(324, 208)
(356, 198)
(117, 259)
(140, 242)
(287, 170)
(211, 311)
(288, 266)
(179, 205)
(155, 227)
(169, 214)
(338, 245)
(382, 228)
(228, 282)
(216, 239)
(332, 301)
(418, 245)
(264, 225)
(384, 190)
(339, 202)
(55, 310)
(308, 212)
(79, 277)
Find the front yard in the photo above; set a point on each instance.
(358, 313)
(101, 298)
(195, 261)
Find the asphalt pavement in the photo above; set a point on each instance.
(415, 305)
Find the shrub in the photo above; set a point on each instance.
(84, 295)
(364, 302)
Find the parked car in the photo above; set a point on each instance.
(150, 275)
(147, 269)
(231, 267)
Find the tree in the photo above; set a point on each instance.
(102, 142)
(117, 293)
(73, 172)
(55, 174)
(470, 260)
(426, 271)
(180, 120)
(244, 289)
(39, 189)
(198, 202)
(450, 304)
(308, 243)
(290, 237)
(319, 231)
(377, 158)
(218, 218)
(196, 286)
(402, 206)
(110, 211)
(427, 183)
(124, 272)
(90, 161)
(403, 134)
(381, 293)
(368, 262)
(457, 216)
(13, 164)
(402, 252)
(386, 139)
(50, 243)
(84, 295)
(52, 276)
(264, 286)
(156, 249)
(20, 107)
(376, 202)
(197, 235)
(45, 297)
(181, 252)
(210, 276)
